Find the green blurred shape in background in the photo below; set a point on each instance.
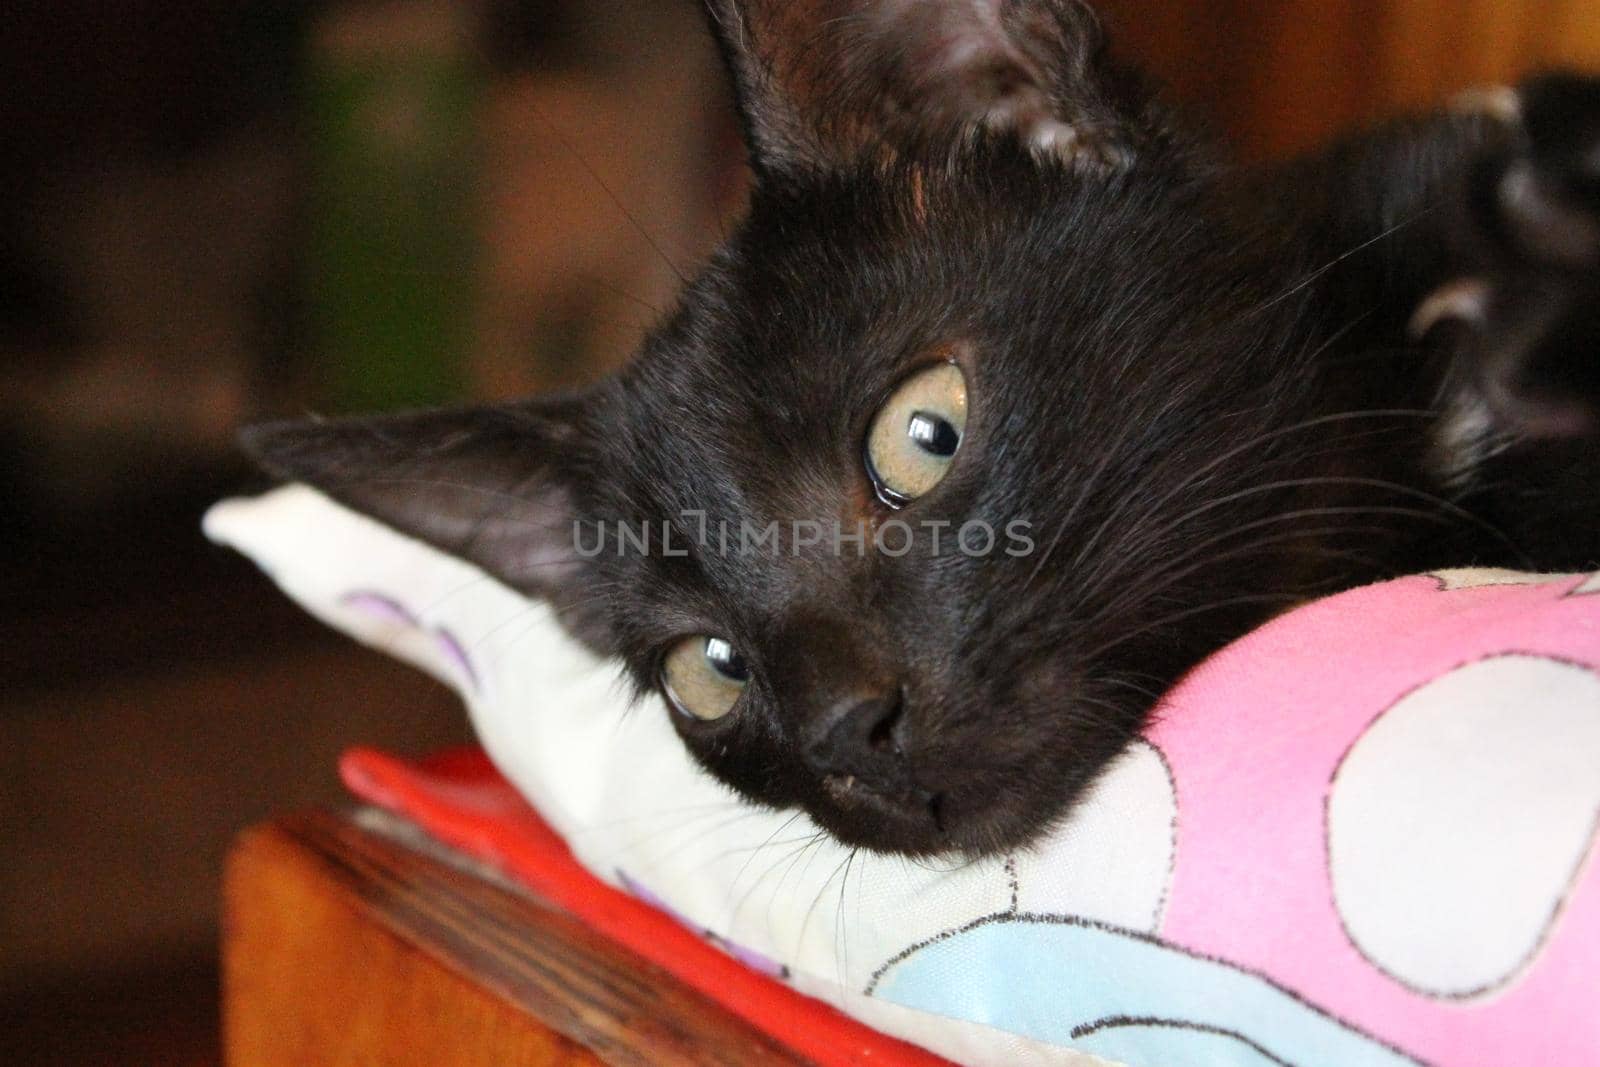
(393, 93)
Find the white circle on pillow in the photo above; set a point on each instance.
(1454, 580)
(1459, 820)
(1112, 860)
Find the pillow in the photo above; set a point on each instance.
(1362, 835)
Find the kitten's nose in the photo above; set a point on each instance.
(861, 736)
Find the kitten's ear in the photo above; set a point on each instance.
(487, 484)
(824, 83)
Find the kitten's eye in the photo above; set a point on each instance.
(916, 434)
(703, 677)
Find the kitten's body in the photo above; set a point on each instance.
(1202, 390)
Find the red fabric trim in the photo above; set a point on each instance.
(459, 797)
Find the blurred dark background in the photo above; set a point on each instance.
(213, 211)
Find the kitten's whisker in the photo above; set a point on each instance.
(674, 812)
(841, 929)
(1154, 696)
(611, 195)
(802, 860)
(1163, 580)
(737, 850)
(1132, 498)
(1238, 601)
(786, 863)
(434, 483)
(1353, 481)
(1089, 486)
(672, 842)
(624, 294)
(533, 619)
(733, 916)
(822, 891)
(1335, 261)
(734, 881)
(1163, 574)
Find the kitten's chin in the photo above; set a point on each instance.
(923, 823)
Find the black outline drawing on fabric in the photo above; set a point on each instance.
(1114, 1022)
(1526, 962)
(1149, 939)
(1590, 586)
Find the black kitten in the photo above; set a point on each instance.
(1009, 402)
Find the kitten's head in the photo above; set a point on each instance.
(919, 432)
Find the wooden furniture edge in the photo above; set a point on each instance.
(348, 940)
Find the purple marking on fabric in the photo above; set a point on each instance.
(452, 648)
(378, 606)
(388, 609)
(750, 957)
(747, 956)
(650, 898)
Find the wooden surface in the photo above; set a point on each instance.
(1279, 76)
(344, 945)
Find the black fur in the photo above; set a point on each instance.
(1195, 383)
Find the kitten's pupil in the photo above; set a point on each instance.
(725, 661)
(933, 435)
